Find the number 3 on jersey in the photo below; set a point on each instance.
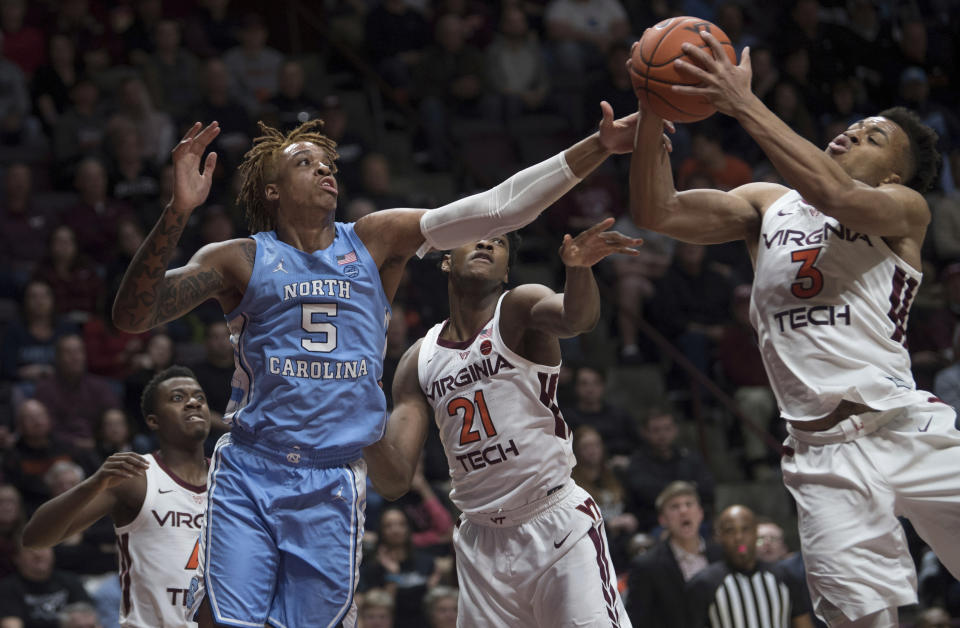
(468, 434)
(809, 278)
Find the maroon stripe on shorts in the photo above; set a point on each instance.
(608, 592)
(126, 565)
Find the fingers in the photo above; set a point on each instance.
(207, 134)
(210, 164)
(745, 62)
(698, 55)
(691, 70)
(714, 44)
(606, 112)
(670, 126)
(191, 132)
(603, 225)
(689, 90)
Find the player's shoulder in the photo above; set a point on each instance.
(760, 194)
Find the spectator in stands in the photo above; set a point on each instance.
(787, 103)
(156, 355)
(515, 66)
(933, 618)
(114, 434)
(376, 609)
(659, 462)
(93, 550)
(218, 103)
(24, 44)
(25, 228)
(615, 426)
(594, 474)
(441, 604)
(211, 29)
(215, 373)
(94, 219)
(292, 105)
(742, 368)
(930, 335)
(74, 397)
(76, 285)
(771, 548)
(113, 353)
(52, 82)
(253, 65)
(79, 615)
(581, 31)
(16, 125)
(134, 179)
(12, 518)
(764, 593)
(398, 567)
(28, 343)
(34, 596)
(80, 131)
(376, 184)
(431, 525)
(171, 72)
(155, 130)
(656, 596)
(946, 383)
(708, 158)
(34, 451)
(395, 36)
(690, 305)
(450, 80)
(351, 145)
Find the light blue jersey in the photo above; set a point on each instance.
(310, 336)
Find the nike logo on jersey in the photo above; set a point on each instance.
(164, 492)
(279, 268)
(927, 426)
(557, 544)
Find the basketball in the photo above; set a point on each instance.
(653, 71)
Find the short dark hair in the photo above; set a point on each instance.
(924, 157)
(148, 400)
(514, 239)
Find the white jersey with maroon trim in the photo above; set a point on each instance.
(158, 551)
(506, 442)
(830, 307)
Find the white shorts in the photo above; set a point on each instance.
(551, 568)
(852, 481)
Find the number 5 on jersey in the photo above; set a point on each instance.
(469, 434)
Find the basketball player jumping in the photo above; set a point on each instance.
(837, 263)
(156, 502)
(307, 300)
(531, 548)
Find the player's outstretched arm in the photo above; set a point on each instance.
(97, 496)
(149, 294)
(700, 216)
(577, 309)
(510, 205)
(392, 461)
(882, 208)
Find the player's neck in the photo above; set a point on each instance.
(189, 464)
(468, 313)
(307, 233)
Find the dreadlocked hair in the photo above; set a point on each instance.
(259, 168)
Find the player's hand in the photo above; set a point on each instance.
(119, 468)
(190, 185)
(596, 243)
(725, 85)
(616, 136)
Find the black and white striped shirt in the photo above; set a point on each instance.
(763, 598)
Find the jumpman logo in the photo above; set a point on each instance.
(339, 494)
(280, 267)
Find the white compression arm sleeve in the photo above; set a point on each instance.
(512, 204)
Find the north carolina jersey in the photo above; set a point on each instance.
(309, 338)
(830, 307)
(158, 551)
(505, 439)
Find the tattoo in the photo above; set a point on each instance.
(139, 298)
(249, 249)
(181, 294)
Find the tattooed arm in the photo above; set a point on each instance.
(150, 294)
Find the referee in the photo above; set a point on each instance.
(740, 591)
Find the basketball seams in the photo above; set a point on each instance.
(656, 78)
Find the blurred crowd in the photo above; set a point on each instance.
(429, 100)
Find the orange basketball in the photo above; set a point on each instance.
(653, 70)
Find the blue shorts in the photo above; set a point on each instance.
(281, 540)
